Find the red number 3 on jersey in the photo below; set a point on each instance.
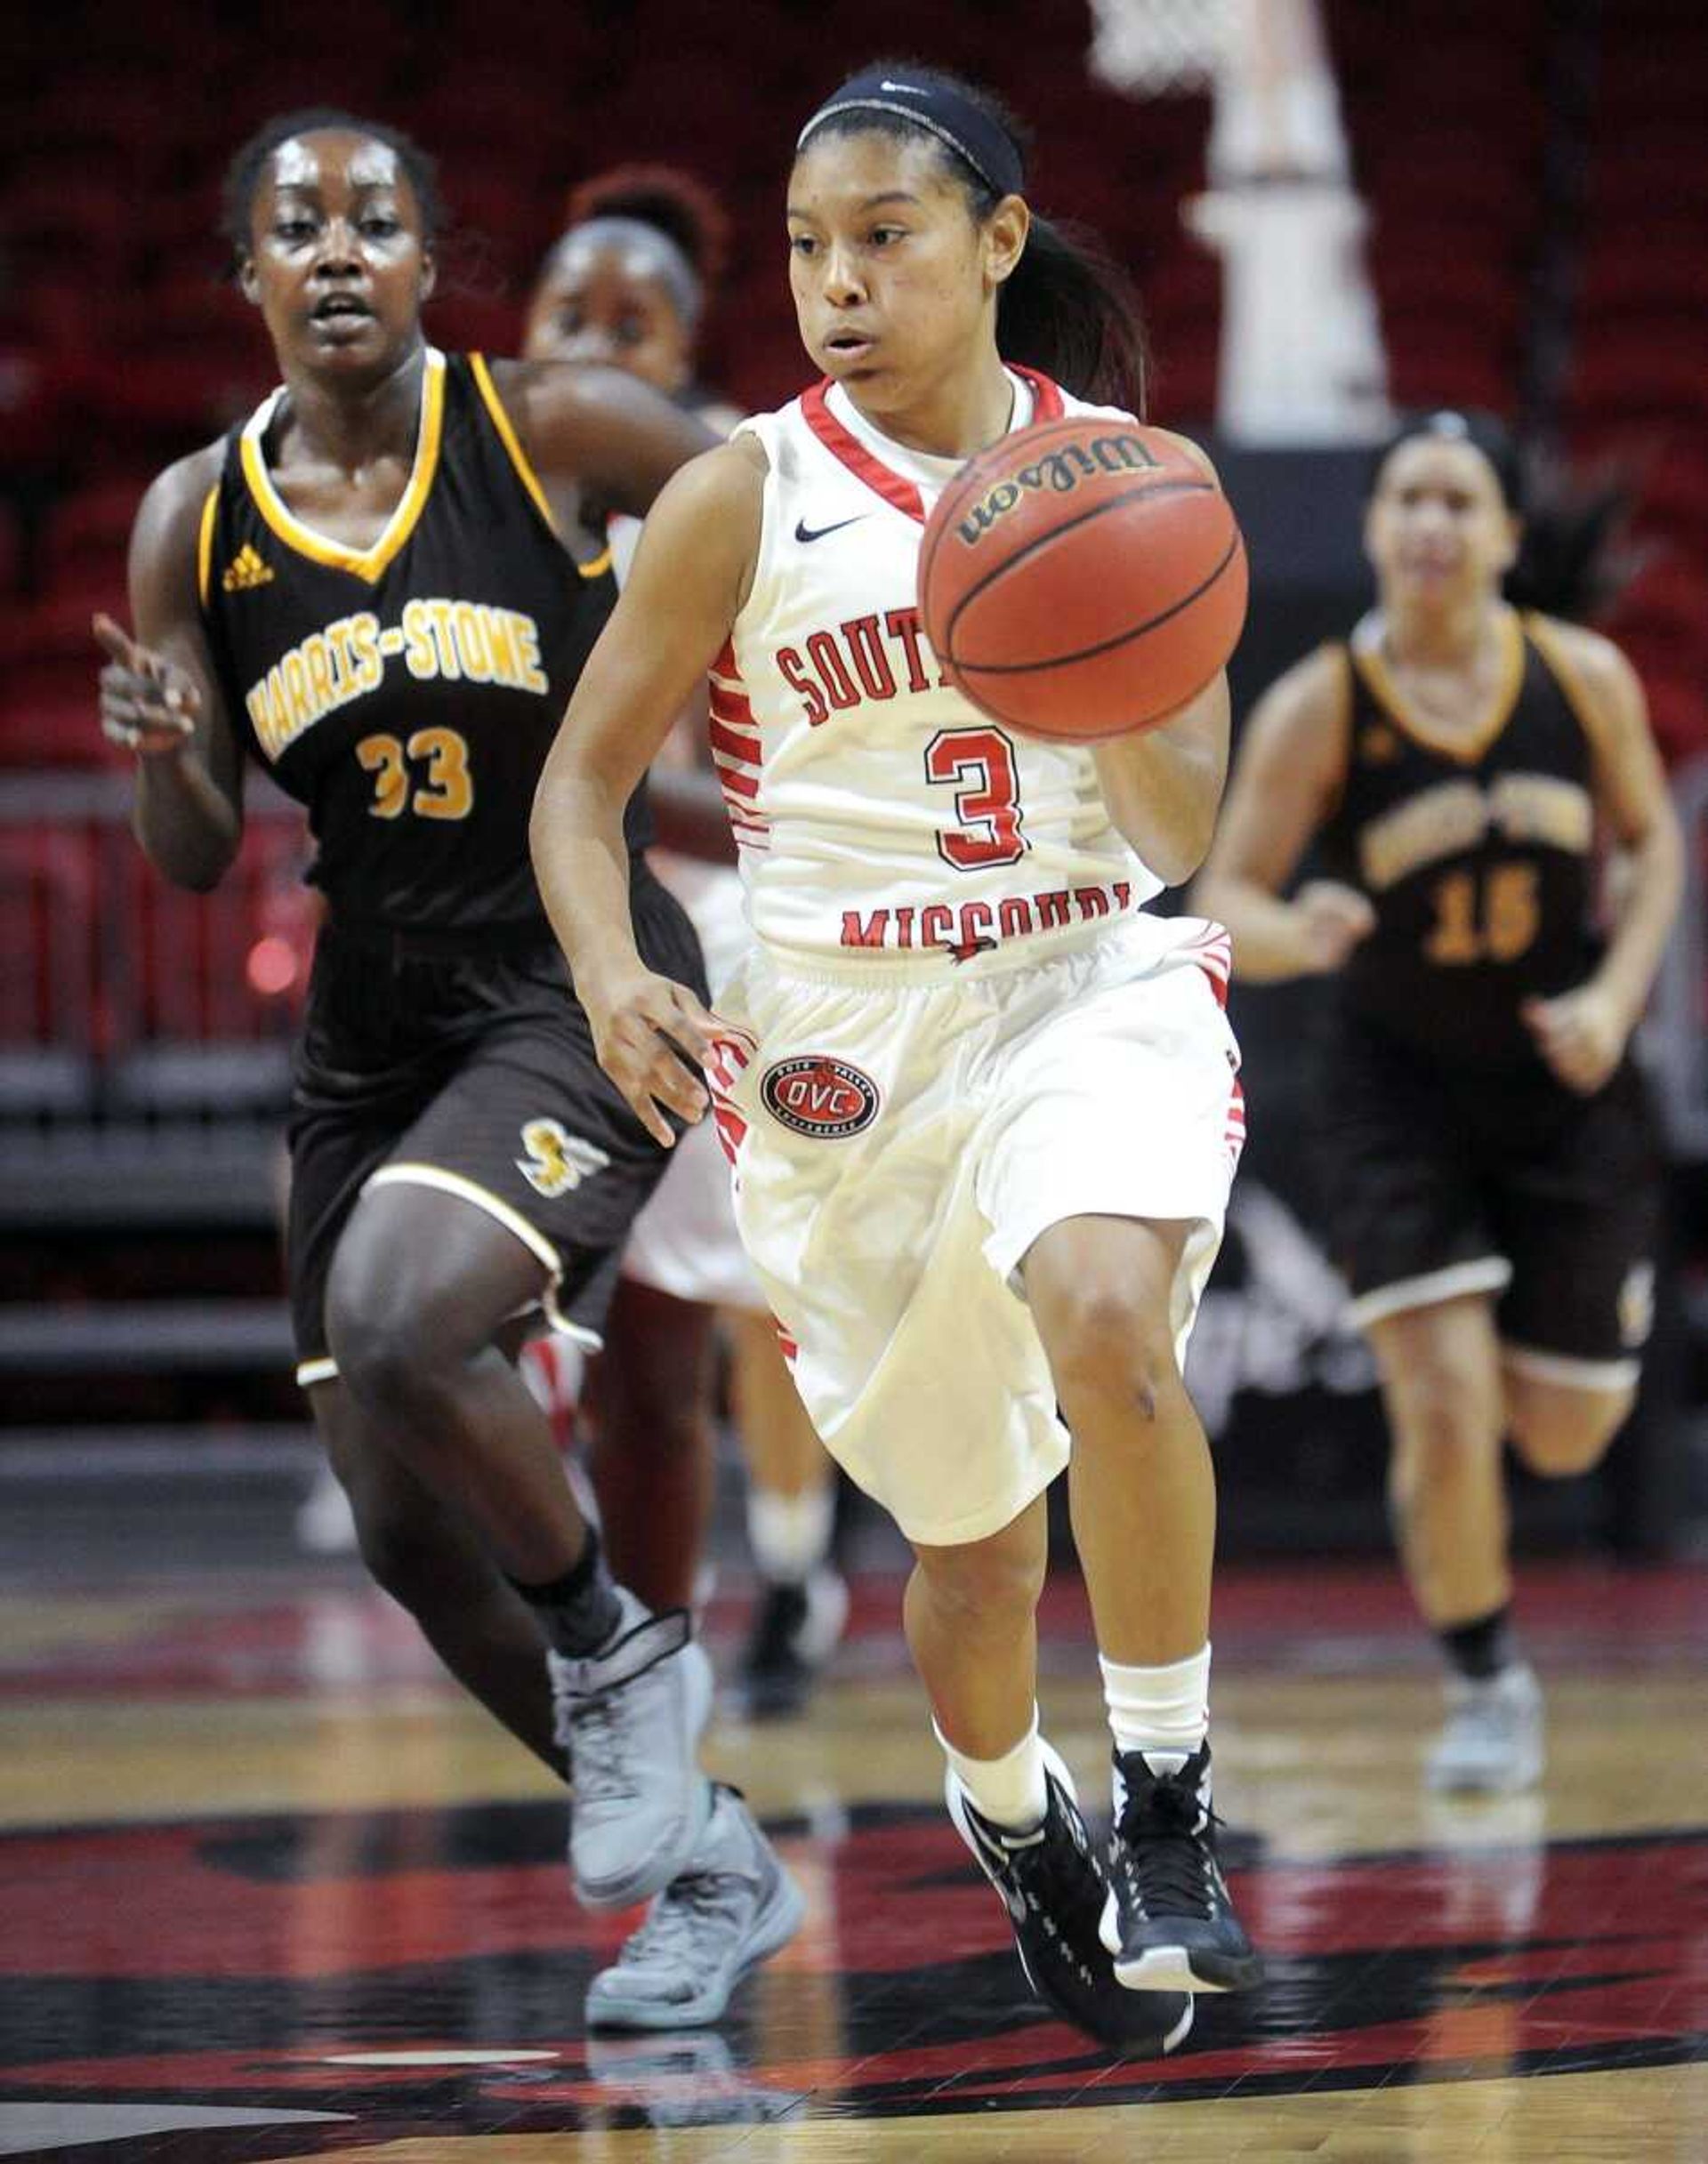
(988, 808)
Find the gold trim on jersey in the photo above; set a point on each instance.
(1564, 669)
(508, 437)
(523, 465)
(205, 544)
(368, 564)
(1371, 666)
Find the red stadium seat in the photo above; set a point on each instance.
(1641, 273)
(48, 215)
(1678, 706)
(1657, 180)
(1672, 495)
(48, 881)
(1645, 80)
(1183, 386)
(1638, 377)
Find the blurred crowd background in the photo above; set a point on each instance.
(1332, 212)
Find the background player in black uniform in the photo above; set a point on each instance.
(1492, 1192)
(384, 588)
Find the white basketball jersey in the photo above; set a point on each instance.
(878, 812)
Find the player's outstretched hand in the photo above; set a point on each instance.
(1581, 1035)
(148, 703)
(651, 1036)
(1333, 918)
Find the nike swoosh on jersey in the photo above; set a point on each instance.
(803, 532)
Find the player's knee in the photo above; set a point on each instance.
(985, 1582)
(1566, 1434)
(389, 1353)
(1443, 1418)
(1111, 1351)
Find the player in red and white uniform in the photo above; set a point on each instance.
(984, 1110)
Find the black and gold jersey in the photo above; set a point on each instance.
(1478, 858)
(408, 693)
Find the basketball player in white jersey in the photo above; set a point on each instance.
(983, 1110)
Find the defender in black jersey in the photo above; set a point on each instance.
(407, 694)
(383, 589)
(1494, 1197)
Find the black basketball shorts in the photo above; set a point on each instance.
(467, 1063)
(1439, 1184)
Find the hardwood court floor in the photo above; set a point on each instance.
(268, 1889)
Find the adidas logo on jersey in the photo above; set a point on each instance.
(245, 571)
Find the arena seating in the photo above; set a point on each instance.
(120, 345)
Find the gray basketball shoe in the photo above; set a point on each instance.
(1492, 1744)
(631, 1719)
(731, 1905)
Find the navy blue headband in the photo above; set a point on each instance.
(939, 107)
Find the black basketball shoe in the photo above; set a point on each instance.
(795, 1630)
(1053, 1891)
(1168, 1921)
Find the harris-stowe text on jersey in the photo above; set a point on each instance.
(407, 692)
(459, 641)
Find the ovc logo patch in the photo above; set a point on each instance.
(819, 1096)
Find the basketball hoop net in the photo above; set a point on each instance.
(1159, 48)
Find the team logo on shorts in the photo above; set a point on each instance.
(556, 1162)
(819, 1096)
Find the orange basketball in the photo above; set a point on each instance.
(1082, 578)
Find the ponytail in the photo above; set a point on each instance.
(1573, 560)
(1070, 310)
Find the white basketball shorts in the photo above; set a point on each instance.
(901, 1137)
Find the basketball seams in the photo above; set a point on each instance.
(972, 475)
(1127, 674)
(1106, 645)
(1148, 488)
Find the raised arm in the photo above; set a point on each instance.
(1290, 770)
(160, 694)
(1583, 1033)
(597, 431)
(689, 580)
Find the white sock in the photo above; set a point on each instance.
(1008, 1790)
(789, 1535)
(1162, 1712)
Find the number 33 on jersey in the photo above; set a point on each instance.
(400, 693)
